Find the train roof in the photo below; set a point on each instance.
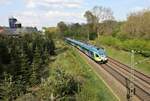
(87, 46)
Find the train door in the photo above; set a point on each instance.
(91, 54)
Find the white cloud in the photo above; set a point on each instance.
(41, 13)
(31, 4)
(138, 8)
(3, 2)
(28, 18)
(47, 18)
(54, 3)
(63, 14)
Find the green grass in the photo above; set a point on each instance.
(125, 57)
(93, 88)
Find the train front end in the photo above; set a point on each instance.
(101, 56)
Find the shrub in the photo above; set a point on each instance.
(134, 45)
(60, 84)
(110, 41)
(92, 36)
(141, 46)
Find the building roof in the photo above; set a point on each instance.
(17, 22)
(17, 31)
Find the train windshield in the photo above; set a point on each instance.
(97, 55)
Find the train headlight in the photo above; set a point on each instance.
(104, 58)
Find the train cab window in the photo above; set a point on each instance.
(97, 55)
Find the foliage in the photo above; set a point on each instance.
(60, 85)
(26, 59)
(109, 27)
(97, 15)
(140, 46)
(91, 21)
(52, 32)
(73, 30)
(62, 27)
(92, 36)
(6, 87)
(137, 25)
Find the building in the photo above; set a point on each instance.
(12, 22)
(26, 30)
(15, 28)
(18, 25)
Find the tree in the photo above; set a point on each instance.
(62, 27)
(91, 22)
(102, 13)
(25, 61)
(89, 17)
(59, 86)
(4, 56)
(36, 65)
(108, 27)
(97, 15)
(6, 88)
(137, 25)
(25, 72)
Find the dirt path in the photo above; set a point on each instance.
(116, 87)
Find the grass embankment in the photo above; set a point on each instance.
(125, 57)
(93, 88)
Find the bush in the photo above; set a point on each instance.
(110, 41)
(60, 84)
(141, 46)
(135, 44)
(92, 36)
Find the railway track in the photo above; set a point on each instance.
(122, 73)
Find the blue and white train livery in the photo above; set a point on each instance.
(97, 54)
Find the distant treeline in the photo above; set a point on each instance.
(136, 26)
(23, 63)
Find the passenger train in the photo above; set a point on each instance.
(97, 54)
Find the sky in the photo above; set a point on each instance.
(47, 13)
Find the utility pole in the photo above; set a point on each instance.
(88, 34)
(130, 85)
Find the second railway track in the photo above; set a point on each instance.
(122, 73)
(138, 74)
